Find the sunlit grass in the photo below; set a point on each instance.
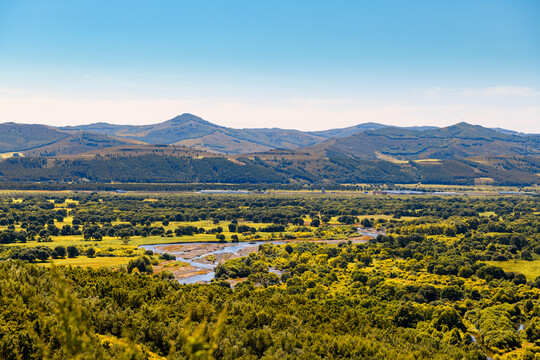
(487, 213)
(531, 269)
(94, 262)
(75, 240)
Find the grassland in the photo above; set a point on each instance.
(531, 269)
(9, 154)
(94, 262)
(113, 251)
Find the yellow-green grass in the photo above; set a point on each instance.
(135, 241)
(152, 240)
(386, 217)
(205, 224)
(94, 262)
(334, 221)
(116, 243)
(531, 269)
(77, 240)
(177, 264)
(209, 224)
(389, 158)
(10, 154)
(487, 213)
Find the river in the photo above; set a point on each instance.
(202, 264)
(198, 262)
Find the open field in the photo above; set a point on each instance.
(10, 154)
(94, 262)
(531, 269)
(487, 213)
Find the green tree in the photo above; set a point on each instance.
(59, 252)
(72, 251)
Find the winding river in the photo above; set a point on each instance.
(228, 248)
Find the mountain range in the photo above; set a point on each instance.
(364, 140)
(461, 153)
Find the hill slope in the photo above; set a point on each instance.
(20, 137)
(175, 151)
(41, 140)
(457, 141)
(193, 131)
(283, 168)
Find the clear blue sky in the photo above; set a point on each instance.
(272, 63)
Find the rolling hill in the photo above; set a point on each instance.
(192, 131)
(41, 140)
(368, 140)
(190, 149)
(20, 137)
(400, 144)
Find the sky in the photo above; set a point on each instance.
(303, 64)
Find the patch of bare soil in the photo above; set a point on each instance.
(236, 281)
(179, 272)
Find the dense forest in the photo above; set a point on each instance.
(446, 278)
(155, 168)
(145, 168)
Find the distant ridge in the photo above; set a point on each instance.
(36, 140)
(193, 131)
(188, 148)
(362, 140)
(457, 141)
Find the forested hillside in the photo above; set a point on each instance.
(138, 169)
(281, 168)
(453, 142)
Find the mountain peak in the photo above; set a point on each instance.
(186, 117)
(464, 125)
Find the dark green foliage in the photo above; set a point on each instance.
(337, 169)
(39, 253)
(72, 251)
(407, 316)
(139, 169)
(59, 252)
(186, 230)
(346, 219)
(166, 256)
(158, 314)
(273, 228)
(142, 264)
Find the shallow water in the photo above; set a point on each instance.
(230, 248)
(373, 233)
